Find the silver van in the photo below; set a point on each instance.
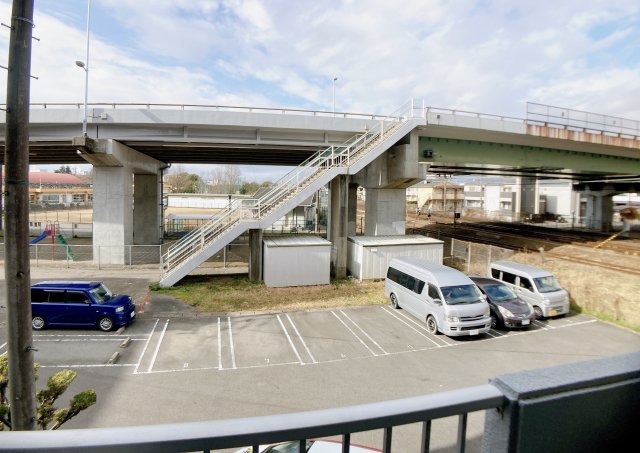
(534, 285)
(446, 299)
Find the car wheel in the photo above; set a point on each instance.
(494, 322)
(432, 325)
(105, 324)
(394, 301)
(38, 322)
(538, 312)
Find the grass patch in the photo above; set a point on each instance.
(238, 294)
(607, 317)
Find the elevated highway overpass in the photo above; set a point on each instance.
(131, 145)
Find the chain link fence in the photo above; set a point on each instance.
(471, 257)
(234, 255)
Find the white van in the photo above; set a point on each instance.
(533, 285)
(446, 299)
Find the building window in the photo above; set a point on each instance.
(51, 199)
(78, 198)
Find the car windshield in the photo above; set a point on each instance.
(101, 294)
(547, 284)
(499, 293)
(463, 294)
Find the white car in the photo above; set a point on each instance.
(313, 446)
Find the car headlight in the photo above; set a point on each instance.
(453, 319)
(504, 311)
(119, 309)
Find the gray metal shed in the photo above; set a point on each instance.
(368, 256)
(296, 261)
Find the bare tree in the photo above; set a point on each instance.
(226, 179)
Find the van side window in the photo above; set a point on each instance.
(509, 277)
(495, 273)
(393, 274)
(76, 297)
(38, 295)
(526, 283)
(433, 292)
(414, 284)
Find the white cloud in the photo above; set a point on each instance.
(488, 56)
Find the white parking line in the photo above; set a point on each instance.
(233, 352)
(542, 325)
(495, 333)
(313, 359)
(145, 347)
(422, 327)
(2, 346)
(365, 333)
(354, 334)
(289, 340)
(389, 312)
(219, 346)
(155, 354)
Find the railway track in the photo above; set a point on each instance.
(523, 238)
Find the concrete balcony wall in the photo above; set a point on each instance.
(585, 406)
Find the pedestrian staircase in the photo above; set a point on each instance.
(349, 158)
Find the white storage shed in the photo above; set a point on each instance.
(368, 256)
(296, 261)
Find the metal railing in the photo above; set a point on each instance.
(578, 119)
(292, 183)
(255, 431)
(207, 107)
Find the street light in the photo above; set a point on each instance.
(334, 94)
(85, 66)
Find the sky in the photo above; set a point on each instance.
(489, 56)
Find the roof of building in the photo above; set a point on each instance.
(295, 241)
(377, 241)
(64, 179)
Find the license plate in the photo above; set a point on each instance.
(525, 322)
(133, 313)
(474, 332)
(553, 312)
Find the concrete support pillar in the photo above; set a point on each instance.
(528, 197)
(338, 225)
(599, 215)
(114, 220)
(146, 209)
(586, 406)
(385, 212)
(255, 255)
(352, 210)
(112, 214)
(385, 180)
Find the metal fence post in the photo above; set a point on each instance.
(468, 257)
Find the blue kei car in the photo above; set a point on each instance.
(75, 303)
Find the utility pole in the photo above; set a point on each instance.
(17, 271)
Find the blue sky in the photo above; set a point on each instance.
(486, 56)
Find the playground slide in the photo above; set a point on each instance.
(39, 238)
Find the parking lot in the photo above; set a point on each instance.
(220, 343)
(175, 365)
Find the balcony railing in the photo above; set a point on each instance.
(255, 431)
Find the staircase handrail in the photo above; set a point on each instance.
(326, 158)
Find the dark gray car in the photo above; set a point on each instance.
(507, 310)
